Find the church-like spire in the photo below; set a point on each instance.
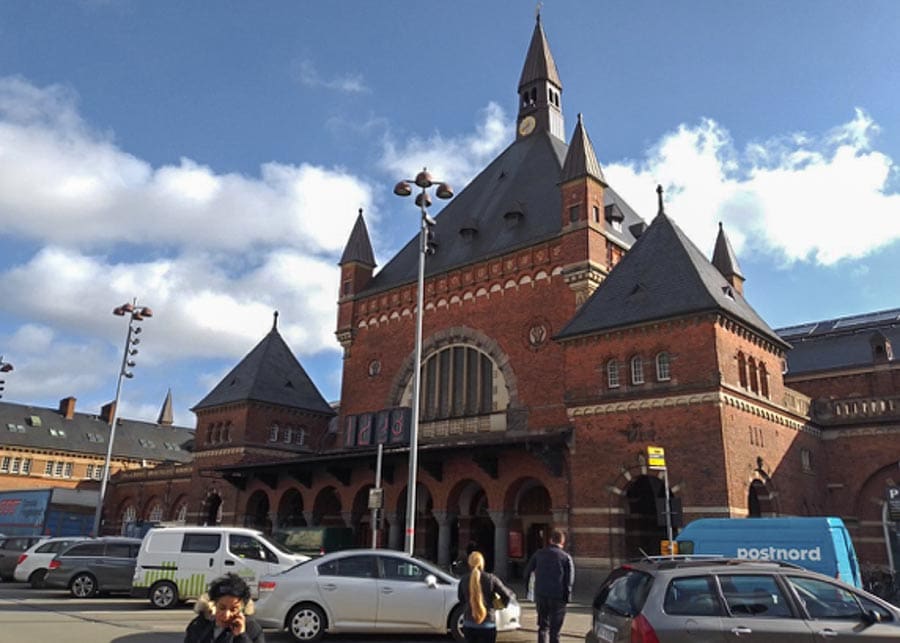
(726, 262)
(165, 413)
(581, 160)
(359, 248)
(540, 89)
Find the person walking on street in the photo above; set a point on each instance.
(554, 574)
(477, 590)
(223, 614)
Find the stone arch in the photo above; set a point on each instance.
(290, 509)
(766, 492)
(426, 535)
(469, 502)
(256, 512)
(327, 508)
(457, 335)
(531, 505)
(179, 510)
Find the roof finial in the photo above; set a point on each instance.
(360, 212)
(580, 119)
(659, 192)
(537, 11)
(275, 321)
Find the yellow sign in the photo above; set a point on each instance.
(668, 547)
(656, 457)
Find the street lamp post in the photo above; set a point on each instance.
(5, 367)
(134, 314)
(423, 181)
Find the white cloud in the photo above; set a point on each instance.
(307, 74)
(801, 196)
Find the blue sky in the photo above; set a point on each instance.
(210, 158)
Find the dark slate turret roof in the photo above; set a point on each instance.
(269, 373)
(724, 258)
(581, 160)
(42, 428)
(359, 248)
(539, 63)
(513, 203)
(165, 413)
(663, 276)
(841, 342)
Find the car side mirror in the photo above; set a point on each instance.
(871, 617)
(431, 581)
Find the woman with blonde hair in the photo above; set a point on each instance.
(477, 591)
(223, 614)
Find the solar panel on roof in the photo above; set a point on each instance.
(868, 318)
(802, 329)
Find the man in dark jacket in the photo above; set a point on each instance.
(554, 574)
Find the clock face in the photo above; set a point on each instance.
(526, 127)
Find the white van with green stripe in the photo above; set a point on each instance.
(177, 564)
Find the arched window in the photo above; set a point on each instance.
(763, 380)
(156, 513)
(612, 373)
(273, 433)
(662, 367)
(458, 381)
(300, 436)
(637, 370)
(742, 369)
(129, 517)
(288, 435)
(754, 376)
(181, 514)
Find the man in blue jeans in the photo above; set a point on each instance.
(554, 573)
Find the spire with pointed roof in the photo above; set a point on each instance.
(359, 248)
(581, 160)
(269, 373)
(540, 89)
(165, 413)
(725, 260)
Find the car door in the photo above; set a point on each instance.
(760, 610)
(838, 614)
(118, 567)
(250, 559)
(692, 611)
(199, 562)
(347, 588)
(406, 602)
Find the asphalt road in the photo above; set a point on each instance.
(45, 616)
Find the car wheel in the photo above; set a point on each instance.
(457, 616)
(163, 595)
(306, 623)
(36, 580)
(83, 586)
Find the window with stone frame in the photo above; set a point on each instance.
(612, 373)
(663, 373)
(637, 370)
(763, 379)
(753, 375)
(742, 369)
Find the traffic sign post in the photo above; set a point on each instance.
(656, 459)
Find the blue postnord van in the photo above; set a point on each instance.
(820, 544)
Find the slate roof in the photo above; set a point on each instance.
(539, 63)
(43, 428)
(359, 247)
(523, 179)
(664, 275)
(841, 342)
(268, 373)
(724, 258)
(581, 160)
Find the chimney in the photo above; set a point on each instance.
(67, 407)
(107, 412)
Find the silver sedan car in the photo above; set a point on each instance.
(374, 591)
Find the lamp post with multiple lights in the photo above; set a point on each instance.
(5, 367)
(423, 181)
(135, 314)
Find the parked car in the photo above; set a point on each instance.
(374, 591)
(33, 563)
(684, 599)
(11, 548)
(93, 566)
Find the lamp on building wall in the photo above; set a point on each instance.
(5, 367)
(427, 246)
(135, 314)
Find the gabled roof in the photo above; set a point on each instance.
(539, 63)
(724, 258)
(664, 275)
(581, 160)
(269, 373)
(513, 203)
(359, 248)
(841, 342)
(47, 429)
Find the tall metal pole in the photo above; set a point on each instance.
(668, 511)
(417, 374)
(112, 432)
(375, 510)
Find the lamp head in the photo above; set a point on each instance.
(423, 179)
(6, 367)
(118, 311)
(423, 200)
(146, 312)
(127, 308)
(403, 189)
(444, 191)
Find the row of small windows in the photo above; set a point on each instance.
(753, 374)
(529, 97)
(218, 433)
(636, 370)
(58, 469)
(288, 434)
(15, 465)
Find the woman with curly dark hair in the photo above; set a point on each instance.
(223, 614)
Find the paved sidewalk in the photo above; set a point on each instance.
(576, 625)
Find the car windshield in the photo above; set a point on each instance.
(274, 545)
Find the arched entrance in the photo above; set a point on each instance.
(257, 512)
(643, 532)
(290, 510)
(212, 510)
(327, 508)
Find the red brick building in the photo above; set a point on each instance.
(563, 336)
